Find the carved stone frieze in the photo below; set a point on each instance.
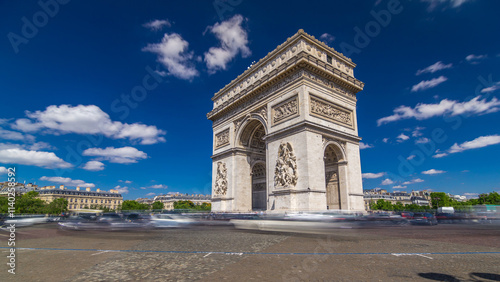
(221, 180)
(330, 111)
(222, 138)
(285, 110)
(285, 172)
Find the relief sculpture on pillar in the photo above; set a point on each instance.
(221, 179)
(285, 173)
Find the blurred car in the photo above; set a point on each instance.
(424, 218)
(21, 221)
(384, 219)
(105, 222)
(407, 215)
(170, 221)
(450, 218)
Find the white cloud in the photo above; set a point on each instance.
(413, 181)
(370, 175)
(124, 155)
(94, 166)
(474, 59)
(121, 189)
(157, 24)
(157, 186)
(434, 68)
(422, 140)
(401, 137)
(5, 146)
(433, 171)
(67, 181)
(387, 181)
(35, 158)
(416, 132)
(479, 142)
(398, 187)
(440, 155)
(426, 84)
(125, 181)
(14, 135)
(471, 195)
(41, 146)
(433, 4)
(411, 157)
(173, 53)
(385, 140)
(89, 119)
(31, 147)
(476, 106)
(233, 40)
(327, 37)
(492, 88)
(364, 146)
(3, 170)
(150, 194)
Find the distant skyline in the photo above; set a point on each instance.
(114, 95)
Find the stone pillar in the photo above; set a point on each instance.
(242, 183)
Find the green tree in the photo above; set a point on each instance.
(382, 205)
(158, 205)
(206, 206)
(134, 205)
(184, 205)
(398, 206)
(493, 198)
(415, 207)
(57, 206)
(4, 204)
(28, 203)
(440, 199)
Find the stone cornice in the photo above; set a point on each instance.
(279, 50)
(312, 127)
(300, 47)
(306, 68)
(234, 151)
(295, 191)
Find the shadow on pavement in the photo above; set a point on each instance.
(476, 276)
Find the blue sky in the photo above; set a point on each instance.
(111, 94)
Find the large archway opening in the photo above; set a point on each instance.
(331, 159)
(252, 140)
(259, 187)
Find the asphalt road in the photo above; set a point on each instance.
(409, 253)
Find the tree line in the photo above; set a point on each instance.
(438, 199)
(30, 204)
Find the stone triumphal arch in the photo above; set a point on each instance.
(285, 133)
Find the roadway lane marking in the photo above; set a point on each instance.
(255, 253)
(100, 253)
(412, 254)
(207, 255)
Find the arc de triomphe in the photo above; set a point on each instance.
(285, 133)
